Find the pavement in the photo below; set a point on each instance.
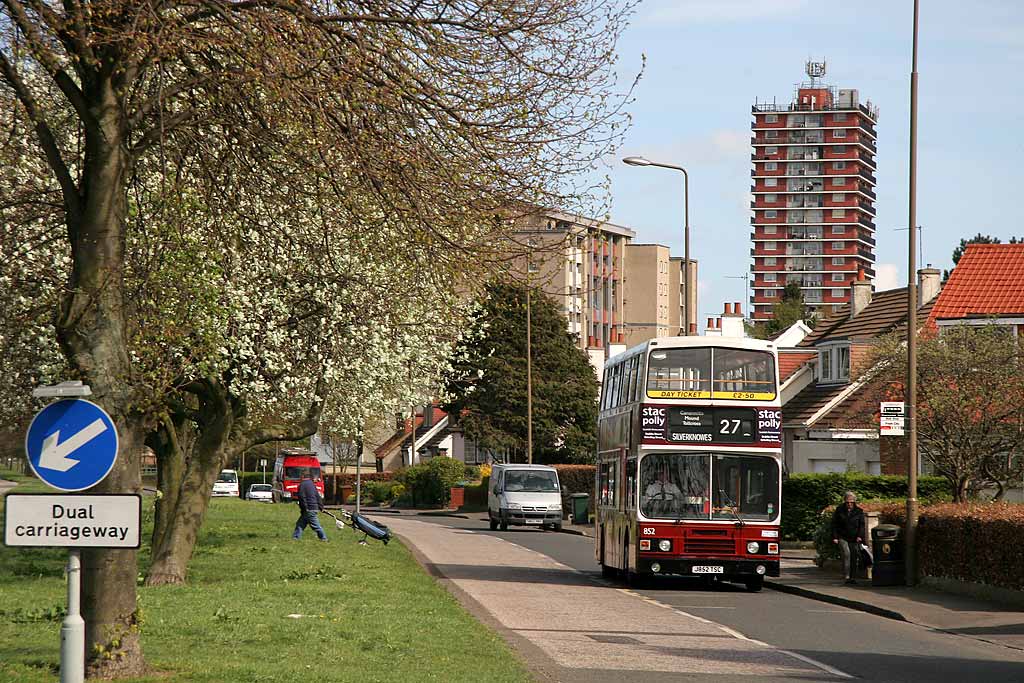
(573, 628)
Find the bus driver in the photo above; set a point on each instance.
(662, 495)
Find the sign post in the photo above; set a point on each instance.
(71, 446)
(263, 464)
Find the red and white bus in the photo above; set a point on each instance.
(289, 468)
(689, 460)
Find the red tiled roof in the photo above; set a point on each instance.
(790, 362)
(802, 407)
(988, 281)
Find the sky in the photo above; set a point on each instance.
(707, 61)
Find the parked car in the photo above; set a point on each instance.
(263, 493)
(226, 484)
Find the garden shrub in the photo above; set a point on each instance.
(430, 483)
(804, 496)
(889, 512)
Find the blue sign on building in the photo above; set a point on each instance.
(71, 444)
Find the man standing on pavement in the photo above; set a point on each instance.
(849, 529)
(310, 504)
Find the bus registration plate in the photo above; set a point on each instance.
(708, 570)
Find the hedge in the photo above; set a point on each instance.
(804, 496)
(350, 480)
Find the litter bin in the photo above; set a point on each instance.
(580, 508)
(887, 548)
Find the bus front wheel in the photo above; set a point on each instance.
(754, 584)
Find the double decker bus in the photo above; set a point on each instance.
(690, 460)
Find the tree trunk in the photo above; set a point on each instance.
(172, 442)
(91, 330)
(173, 549)
(960, 490)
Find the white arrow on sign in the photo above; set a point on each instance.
(54, 456)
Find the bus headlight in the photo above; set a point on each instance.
(753, 547)
(664, 545)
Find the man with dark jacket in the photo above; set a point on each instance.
(849, 529)
(310, 504)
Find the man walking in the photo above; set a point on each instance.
(310, 504)
(849, 529)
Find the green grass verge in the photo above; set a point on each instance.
(369, 613)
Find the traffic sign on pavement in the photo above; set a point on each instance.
(73, 521)
(71, 444)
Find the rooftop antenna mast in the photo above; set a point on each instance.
(815, 70)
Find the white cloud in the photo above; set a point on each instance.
(886, 277)
(678, 12)
(716, 147)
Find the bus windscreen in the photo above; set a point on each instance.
(709, 486)
(734, 374)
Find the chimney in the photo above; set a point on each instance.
(728, 309)
(713, 330)
(861, 294)
(928, 284)
(732, 321)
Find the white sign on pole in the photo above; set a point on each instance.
(263, 463)
(73, 521)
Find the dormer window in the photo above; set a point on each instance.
(834, 363)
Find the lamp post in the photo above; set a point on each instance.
(690, 326)
(911, 393)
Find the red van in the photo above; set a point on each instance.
(291, 466)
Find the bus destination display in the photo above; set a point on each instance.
(693, 425)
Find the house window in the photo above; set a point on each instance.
(838, 292)
(839, 132)
(771, 182)
(771, 166)
(838, 229)
(838, 213)
(839, 165)
(771, 150)
(839, 197)
(769, 229)
(770, 261)
(839, 245)
(771, 198)
(837, 277)
(833, 362)
(839, 116)
(844, 362)
(839, 181)
(771, 118)
(770, 246)
(532, 267)
(770, 277)
(771, 213)
(838, 261)
(839, 149)
(771, 133)
(825, 365)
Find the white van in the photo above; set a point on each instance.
(524, 495)
(226, 484)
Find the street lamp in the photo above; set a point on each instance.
(690, 326)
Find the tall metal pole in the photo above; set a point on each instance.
(911, 397)
(359, 479)
(691, 321)
(529, 377)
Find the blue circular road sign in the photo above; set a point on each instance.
(71, 444)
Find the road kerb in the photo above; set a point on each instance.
(836, 600)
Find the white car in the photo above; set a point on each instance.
(263, 493)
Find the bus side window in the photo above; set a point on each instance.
(605, 387)
(631, 387)
(631, 483)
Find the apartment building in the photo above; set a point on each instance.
(579, 262)
(814, 194)
(655, 293)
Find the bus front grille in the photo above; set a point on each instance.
(709, 546)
